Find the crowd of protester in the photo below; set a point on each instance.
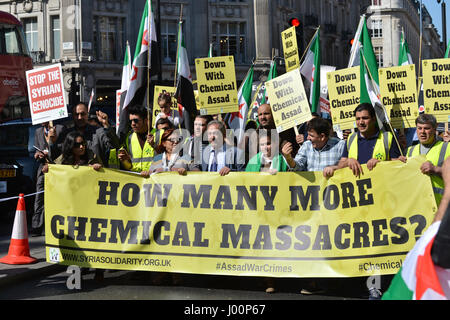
(213, 147)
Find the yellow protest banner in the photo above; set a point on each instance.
(344, 90)
(290, 49)
(436, 88)
(398, 90)
(288, 100)
(216, 81)
(245, 224)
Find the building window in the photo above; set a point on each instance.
(169, 31)
(56, 37)
(31, 33)
(229, 39)
(377, 28)
(379, 56)
(109, 42)
(376, 2)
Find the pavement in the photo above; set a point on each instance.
(11, 274)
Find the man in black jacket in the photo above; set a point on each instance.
(100, 140)
(44, 136)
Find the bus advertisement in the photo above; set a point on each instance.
(15, 60)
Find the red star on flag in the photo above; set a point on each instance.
(237, 114)
(135, 72)
(144, 38)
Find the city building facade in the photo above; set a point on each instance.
(388, 18)
(88, 37)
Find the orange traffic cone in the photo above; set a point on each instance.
(19, 249)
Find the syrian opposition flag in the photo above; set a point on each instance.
(405, 57)
(185, 89)
(370, 83)
(362, 55)
(354, 52)
(238, 120)
(121, 116)
(311, 70)
(126, 76)
(126, 70)
(419, 278)
(146, 41)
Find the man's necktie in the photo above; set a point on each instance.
(214, 162)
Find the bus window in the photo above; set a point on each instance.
(11, 40)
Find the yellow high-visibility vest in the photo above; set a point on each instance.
(436, 155)
(381, 150)
(113, 160)
(141, 158)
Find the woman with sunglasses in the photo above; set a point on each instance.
(76, 153)
(168, 158)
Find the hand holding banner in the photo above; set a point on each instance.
(245, 224)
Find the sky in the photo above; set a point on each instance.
(436, 14)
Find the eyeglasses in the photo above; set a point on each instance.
(135, 120)
(175, 140)
(79, 144)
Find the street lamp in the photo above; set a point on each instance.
(444, 22)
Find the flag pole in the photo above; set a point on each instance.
(148, 66)
(356, 39)
(178, 46)
(240, 87)
(384, 108)
(420, 45)
(309, 44)
(176, 63)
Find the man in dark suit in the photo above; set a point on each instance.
(44, 136)
(220, 156)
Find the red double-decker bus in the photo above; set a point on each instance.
(15, 60)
